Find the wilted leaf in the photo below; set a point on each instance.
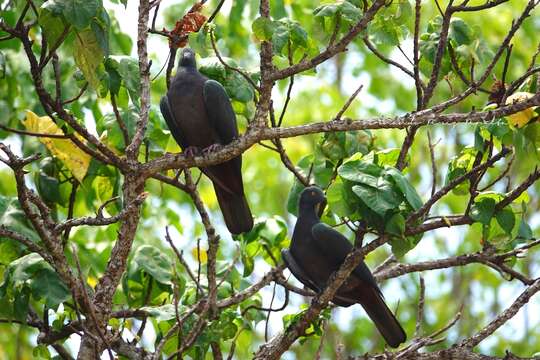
(523, 117)
(76, 160)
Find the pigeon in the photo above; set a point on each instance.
(200, 116)
(317, 250)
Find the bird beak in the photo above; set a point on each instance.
(319, 208)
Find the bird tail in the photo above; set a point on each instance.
(384, 319)
(235, 210)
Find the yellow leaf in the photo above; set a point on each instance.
(76, 160)
(92, 281)
(447, 221)
(523, 117)
(203, 256)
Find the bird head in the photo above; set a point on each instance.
(187, 58)
(312, 198)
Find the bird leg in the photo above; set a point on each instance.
(212, 148)
(191, 151)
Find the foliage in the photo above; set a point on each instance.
(84, 94)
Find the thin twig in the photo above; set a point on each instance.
(183, 261)
(420, 312)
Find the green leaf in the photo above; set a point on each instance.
(12, 217)
(342, 144)
(214, 69)
(100, 26)
(428, 46)
(161, 313)
(88, 55)
(2, 65)
(47, 285)
(48, 187)
(249, 265)
(359, 171)
(391, 25)
(387, 157)
(21, 303)
(350, 12)
(458, 166)
(326, 10)
(345, 9)
(524, 231)
(460, 31)
(200, 42)
(41, 352)
(396, 225)
(286, 30)
(274, 231)
(109, 128)
(263, 28)
(402, 245)
(51, 23)
(113, 76)
(152, 261)
(406, 188)
(9, 251)
(237, 87)
(506, 219)
(338, 201)
(56, 7)
(359, 177)
(280, 38)
(483, 210)
(129, 71)
(32, 272)
(299, 36)
(379, 199)
(294, 195)
(80, 12)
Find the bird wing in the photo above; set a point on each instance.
(171, 121)
(336, 247)
(220, 111)
(297, 271)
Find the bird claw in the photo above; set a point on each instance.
(191, 151)
(211, 148)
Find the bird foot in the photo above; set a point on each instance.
(191, 151)
(211, 148)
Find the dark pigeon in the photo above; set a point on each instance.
(317, 251)
(200, 116)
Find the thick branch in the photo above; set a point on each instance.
(254, 135)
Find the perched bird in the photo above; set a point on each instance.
(317, 251)
(200, 116)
